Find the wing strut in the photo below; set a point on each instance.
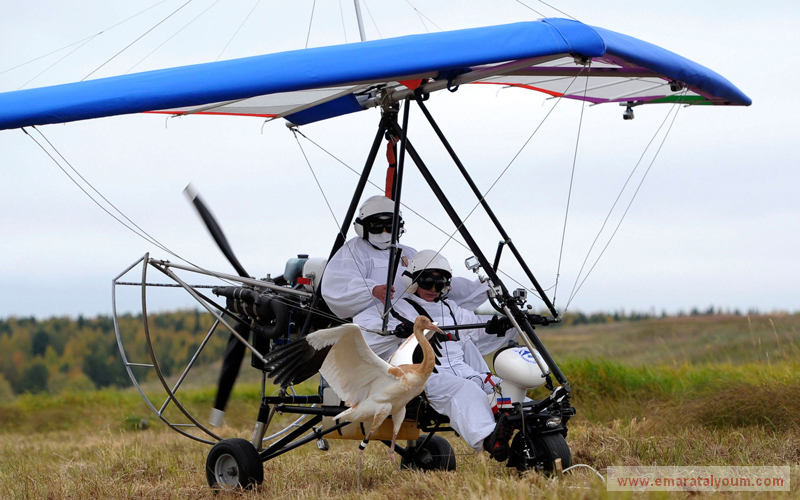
(510, 306)
(506, 238)
(351, 210)
(394, 255)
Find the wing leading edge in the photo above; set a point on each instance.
(308, 85)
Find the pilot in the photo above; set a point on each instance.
(460, 387)
(355, 278)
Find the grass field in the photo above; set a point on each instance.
(675, 391)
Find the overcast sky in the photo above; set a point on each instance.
(716, 222)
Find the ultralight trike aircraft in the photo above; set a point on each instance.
(562, 58)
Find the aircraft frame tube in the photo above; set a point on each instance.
(247, 281)
(351, 211)
(394, 254)
(495, 279)
(506, 238)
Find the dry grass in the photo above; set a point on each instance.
(158, 464)
(630, 413)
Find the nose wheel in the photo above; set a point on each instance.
(431, 454)
(539, 452)
(233, 464)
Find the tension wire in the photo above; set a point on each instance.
(172, 36)
(310, 22)
(330, 209)
(88, 38)
(139, 38)
(531, 8)
(237, 29)
(372, 19)
(421, 16)
(569, 193)
(133, 227)
(675, 107)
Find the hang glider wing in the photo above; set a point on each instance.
(556, 56)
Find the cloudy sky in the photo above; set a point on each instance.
(716, 221)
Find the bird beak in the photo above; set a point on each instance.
(432, 326)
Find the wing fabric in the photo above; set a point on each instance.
(351, 368)
(314, 84)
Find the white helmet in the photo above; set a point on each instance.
(426, 260)
(375, 206)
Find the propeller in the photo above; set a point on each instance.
(234, 353)
(213, 228)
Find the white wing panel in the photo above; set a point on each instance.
(267, 106)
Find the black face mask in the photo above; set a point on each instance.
(428, 281)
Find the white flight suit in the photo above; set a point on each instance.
(460, 387)
(358, 267)
(354, 271)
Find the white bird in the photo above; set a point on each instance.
(371, 387)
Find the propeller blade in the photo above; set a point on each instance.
(235, 352)
(231, 362)
(214, 228)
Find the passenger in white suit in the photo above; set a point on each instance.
(463, 380)
(355, 278)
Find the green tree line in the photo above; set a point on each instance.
(62, 353)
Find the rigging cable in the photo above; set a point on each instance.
(58, 61)
(421, 15)
(88, 38)
(619, 196)
(171, 37)
(483, 197)
(424, 219)
(341, 13)
(531, 8)
(138, 231)
(336, 221)
(311, 21)
(452, 236)
(237, 29)
(558, 10)
(676, 107)
(140, 37)
(571, 179)
(373, 19)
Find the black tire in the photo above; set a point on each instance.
(546, 449)
(234, 463)
(436, 455)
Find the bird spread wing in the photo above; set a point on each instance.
(351, 368)
(294, 362)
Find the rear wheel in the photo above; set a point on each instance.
(437, 454)
(234, 463)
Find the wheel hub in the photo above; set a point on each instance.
(226, 471)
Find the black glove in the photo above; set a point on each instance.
(498, 325)
(403, 330)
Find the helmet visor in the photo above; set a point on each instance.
(379, 223)
(428, 280)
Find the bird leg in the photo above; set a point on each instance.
(397, 422)
(361, 448)
(391, 452)
(377, 420)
